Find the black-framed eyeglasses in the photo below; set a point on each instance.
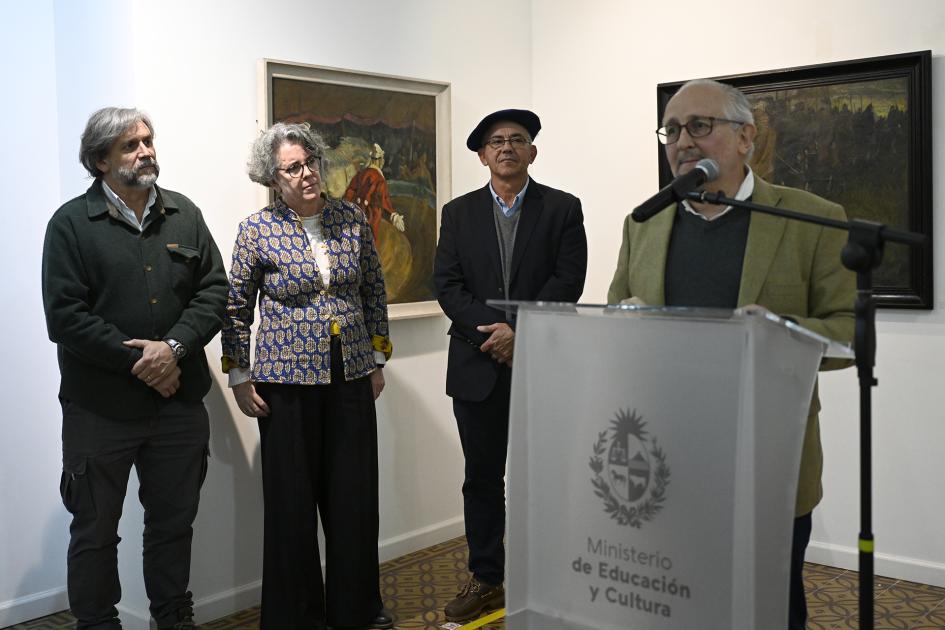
(312, 162)
(517, 142)
(698, 127)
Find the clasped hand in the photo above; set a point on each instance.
(157, 366)
(501, 342)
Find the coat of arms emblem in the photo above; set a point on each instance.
(630, 470)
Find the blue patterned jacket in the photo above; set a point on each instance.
(273, 259)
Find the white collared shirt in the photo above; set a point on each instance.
(744, 192)
(127, 213)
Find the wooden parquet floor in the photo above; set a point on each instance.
(417, 586)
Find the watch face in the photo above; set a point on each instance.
(177, 348)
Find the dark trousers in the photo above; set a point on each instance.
(797, 617)
(319, 454)
(169, 452)
(484, 435)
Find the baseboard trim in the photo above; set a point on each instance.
(31, 606)
(888, 565)
(226, 602)
(401, 545)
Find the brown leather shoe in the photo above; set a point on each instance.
(475, 598)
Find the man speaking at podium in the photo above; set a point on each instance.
(703, 255)
(511, 239)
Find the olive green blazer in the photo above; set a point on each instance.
(791, 268)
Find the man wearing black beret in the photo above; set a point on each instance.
(512, 239)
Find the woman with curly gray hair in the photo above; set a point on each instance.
(320, 346)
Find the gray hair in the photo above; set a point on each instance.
(263, 163)
(102, 130)
(736, 107)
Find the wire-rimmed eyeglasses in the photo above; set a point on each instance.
(517, 142)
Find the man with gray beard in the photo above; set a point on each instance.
(133, 289)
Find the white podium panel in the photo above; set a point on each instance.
(653, 463)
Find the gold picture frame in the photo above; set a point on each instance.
(388, 152)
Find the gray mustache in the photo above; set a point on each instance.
(688, 155)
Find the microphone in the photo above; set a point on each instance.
(705, 170)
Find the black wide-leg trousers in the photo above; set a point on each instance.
(484, 435)
(319, 455)
(169, 452)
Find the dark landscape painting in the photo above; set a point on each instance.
(857, 133)
(848, 143)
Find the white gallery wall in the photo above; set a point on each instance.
(192, 66)
(589, 69)
(32, 523)
(595, 67)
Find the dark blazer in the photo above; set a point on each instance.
(549, 262)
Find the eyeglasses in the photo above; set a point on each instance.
(295, 169)
(517, 142)
(697, 128)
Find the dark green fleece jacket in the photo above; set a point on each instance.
(105, 282)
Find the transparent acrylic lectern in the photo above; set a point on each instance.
(653, 464)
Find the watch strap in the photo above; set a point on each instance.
(177, 348)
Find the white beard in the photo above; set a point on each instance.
(133, 179)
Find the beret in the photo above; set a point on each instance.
(525, 118)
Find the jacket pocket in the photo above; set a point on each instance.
(184, 251)
(184, 262)
(74, 484)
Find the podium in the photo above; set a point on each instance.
(653, 465)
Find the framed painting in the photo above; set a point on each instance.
(857, 133)
(388, 152)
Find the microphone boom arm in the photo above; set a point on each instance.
(887, 233)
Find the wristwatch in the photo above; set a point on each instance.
(177, 349)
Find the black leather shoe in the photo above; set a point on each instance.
(383, 620)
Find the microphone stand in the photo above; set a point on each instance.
(862, 253)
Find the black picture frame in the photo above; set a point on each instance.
(855, 132)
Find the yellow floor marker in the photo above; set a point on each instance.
(478, 623)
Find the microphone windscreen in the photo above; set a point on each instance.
(710, 167)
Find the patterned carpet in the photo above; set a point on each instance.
(833, 601)
(416, 586)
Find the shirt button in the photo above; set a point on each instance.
(154, 300)
(147, 267)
